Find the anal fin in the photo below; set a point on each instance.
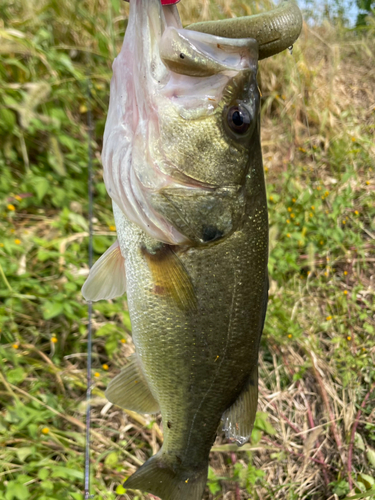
(238, 419)
(107, 278)
(130, 390)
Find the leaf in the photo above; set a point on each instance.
(41, 187)
(16, 490)
(47, 485)
(369, 328)
(110, 346)
(370, 454)
(116, 5)
(340, 488)
(7, 118)
(361, 496)
(262, 423)
(78, 220)
(16, 376)
(213, 482)
(100, 244)
(367, 480)
(23, 453)
(65, 472)
(120, 490)
(43, 474)
(106, 329)
(358, 442)
(111, 460)
(55, 157)
(126, 321)
(52, 309)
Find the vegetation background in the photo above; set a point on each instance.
(314, 436)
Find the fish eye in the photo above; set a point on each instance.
(239, 119)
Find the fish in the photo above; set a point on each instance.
(182, 164)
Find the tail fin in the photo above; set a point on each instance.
(157, 476)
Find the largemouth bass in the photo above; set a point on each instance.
(183, 165)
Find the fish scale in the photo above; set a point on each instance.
(183, 165)
(207, 348)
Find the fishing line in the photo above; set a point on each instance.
(89, 327)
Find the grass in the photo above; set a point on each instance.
(315, 431)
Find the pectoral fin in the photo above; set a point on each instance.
(107, 278)
(171, 278)
(238, 420)
(130, 389)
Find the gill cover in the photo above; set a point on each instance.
(163, 69)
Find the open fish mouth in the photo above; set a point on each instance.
(168, 92)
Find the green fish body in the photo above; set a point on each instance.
(183, 165)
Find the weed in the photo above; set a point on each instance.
(314, 435)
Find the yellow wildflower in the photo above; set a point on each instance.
(97, 374)
(288, 235)
(1, 244)
(105, 366)
(344, 221)
(311, 214)
(345, 292)
(17, 241)
(289, 209)
(326, 193)
(292, 216)
(319, 188)
(353, 139)
(293, 200)
(18, 197)
(271, 198)
(367, 183)
(356, 212)
(15, 346)
(11, 207)
(45, 430)
(54, 340)
(266, 169)
(112, 228)
(288, 221)
(348, 337)
(345, 273)
(328, 318)
(321, 242)
(289, 336)
(312, 207)
(123, 341)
